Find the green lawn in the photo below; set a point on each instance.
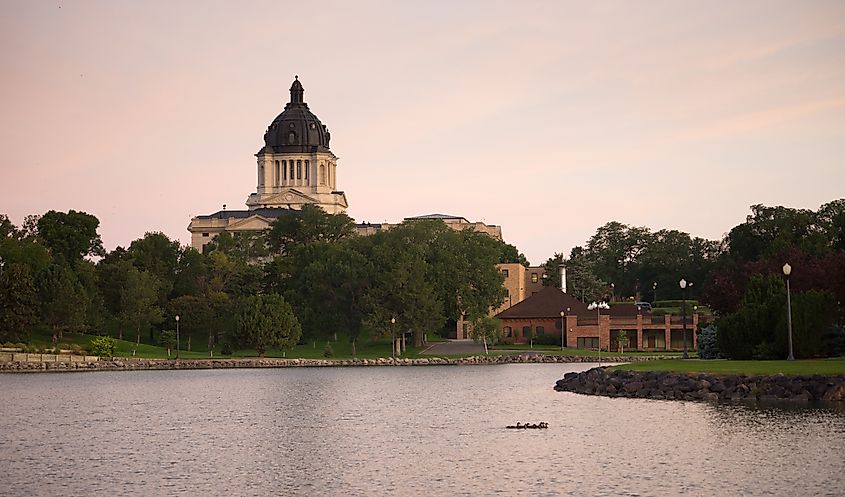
(366, 349)
(720, 366)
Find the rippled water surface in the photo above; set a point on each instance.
(395, 431)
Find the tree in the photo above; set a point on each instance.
(63, 300)
(157, 255)
(139, 301)
(265, 321)
(18, 303)
(622, 340)
(510, 254)
(71, 236)
(486, 328)
(308, 225)
(708, 347)
(167, 339)
(195, 314)
(757, 330)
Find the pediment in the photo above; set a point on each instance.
(288, 197)
(251, 223)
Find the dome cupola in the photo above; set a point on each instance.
(296, 129)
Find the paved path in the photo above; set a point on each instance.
(455, 347)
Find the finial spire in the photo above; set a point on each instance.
(296, 91)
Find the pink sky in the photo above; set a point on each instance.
(547, 118)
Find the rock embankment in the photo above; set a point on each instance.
(708, 387)
(124, 364)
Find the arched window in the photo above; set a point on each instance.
(291, 138)
(507, 331)
(540, 330)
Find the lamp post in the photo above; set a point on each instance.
(562, 327)
(787, 270)
(654, 289)
(683, 284)
(177, 336)
(598, 306)
(393, 337)
(612, 292)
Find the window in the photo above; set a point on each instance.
(306, 170)
(291, 170)
(505, 273)
(507, 331)
(205, 235)
(541, 330)
(588, 342)
(276, 177)
(285, 169)
(322, 174)
(534, 278)
(526, 331)
(299, 169)
(291, 138)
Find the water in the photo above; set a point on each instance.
(395, 431)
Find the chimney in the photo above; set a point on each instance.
(563, 278)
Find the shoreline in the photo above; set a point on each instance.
(658, 385)
(132, 364)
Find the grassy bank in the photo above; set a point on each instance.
(803, 367)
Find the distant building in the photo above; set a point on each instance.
(592, 329)
(454, 222)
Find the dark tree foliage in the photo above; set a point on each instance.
(708, 347)
(264, 322)
(71, 236)
(757, 330)
(18, 303)
(311, 224)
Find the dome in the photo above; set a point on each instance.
(296, 129)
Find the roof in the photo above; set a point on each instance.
(296, 129)
(547, 303)
(437, 216)
(263, 212)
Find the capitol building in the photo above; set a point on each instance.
(296, 167)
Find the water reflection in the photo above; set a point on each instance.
(396, 431)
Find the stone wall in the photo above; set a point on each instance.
(124, 364)
(708, 387)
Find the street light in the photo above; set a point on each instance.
(683, 284)
(177, 336)
(654, 288)
(393, 337)
(612, 292)
(598, 306)
(562, 327)
(787, 270)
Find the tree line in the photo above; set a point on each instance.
(739, 277)
(306, 278)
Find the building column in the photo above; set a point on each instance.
(639, 332)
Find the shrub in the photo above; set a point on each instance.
(328, 351)
(226, 349)
(103, 346)
(708, 348)
(547, 339)
(833, 342)
(77, 349)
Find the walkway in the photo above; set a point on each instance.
(454, 347)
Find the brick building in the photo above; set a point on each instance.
(589, 329)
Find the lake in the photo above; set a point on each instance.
(434, 431)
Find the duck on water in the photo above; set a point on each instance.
(529, 426)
